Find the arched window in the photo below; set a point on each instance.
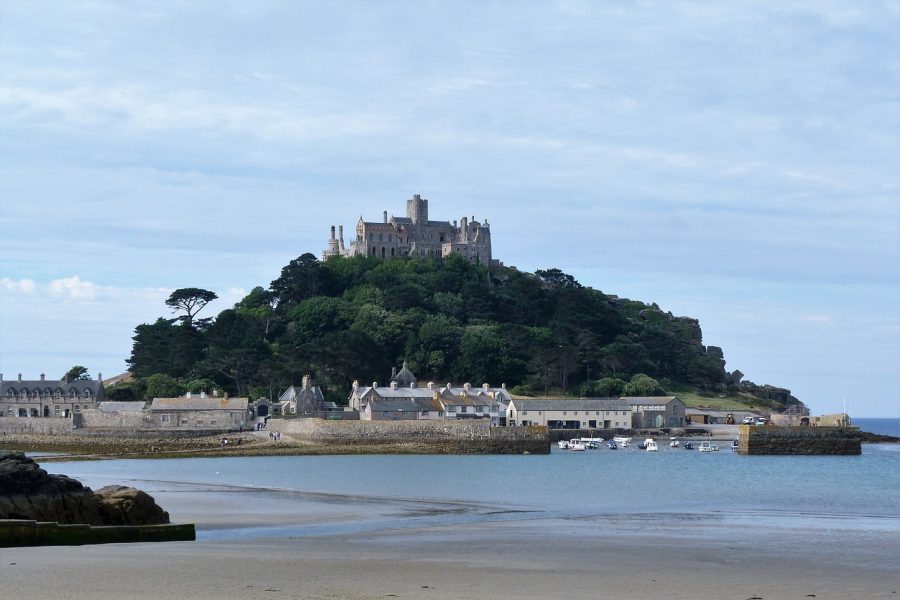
(373, 250)
(380, 237)
(382, 252)
(392, 252)
(77, 408)
(371, 237)
(390, 237)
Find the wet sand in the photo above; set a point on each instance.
(412, 549)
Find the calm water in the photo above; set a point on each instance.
(857, 491)
(880, 426)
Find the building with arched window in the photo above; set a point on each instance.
(44, 398)
(415, 235)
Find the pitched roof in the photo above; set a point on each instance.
(30, 385)
(405, 404)
(109, 407)
(197, 403)
(649, 399)
(398, 392)
(570, 404)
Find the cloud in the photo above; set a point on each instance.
(74, 287)
(25, 286)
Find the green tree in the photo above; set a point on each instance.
(77, 373)
(191, 301)
(160, 385)
(643, 385)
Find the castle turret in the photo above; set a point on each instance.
(417, 210)
(333, 248)
(341, 238)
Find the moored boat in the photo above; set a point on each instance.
(651, 446)
(621, 439)
(563, 444)
(708, 447)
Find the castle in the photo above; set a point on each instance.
(415, 235)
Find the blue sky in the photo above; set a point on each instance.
(738, 162)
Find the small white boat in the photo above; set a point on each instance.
(624, 444)
(651, 446)
(708, 447)
(563, 444)
(621, 440)
(674, 443)
(576, 446)
(734, 446)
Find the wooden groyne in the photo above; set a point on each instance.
(22, 532)
(799, 440)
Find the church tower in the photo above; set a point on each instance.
(417, 210)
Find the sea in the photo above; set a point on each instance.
(638, 489)
(879, 426)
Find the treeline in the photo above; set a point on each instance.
(452, 321)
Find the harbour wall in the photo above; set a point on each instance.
(35, 425)
(17, 533)
(799, 440)
(439, 437)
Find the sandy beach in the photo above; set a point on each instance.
(527, 556)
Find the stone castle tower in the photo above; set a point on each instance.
(415, 235)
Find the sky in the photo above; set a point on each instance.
(733, 161)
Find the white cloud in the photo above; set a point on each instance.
(25, 286)
(73, 287)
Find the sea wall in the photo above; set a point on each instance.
(17, 533)
(38, 425)
(449, 437)
(799, 440)
(94, 418)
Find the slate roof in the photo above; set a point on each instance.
(641, 400)
(198, 403)
(571, 404)
(51, 385)
(298, 393)
(110, 407)
(405, 404)
(400, 392)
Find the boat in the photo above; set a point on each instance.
(734, 445)
(674, 443)
(688, 446)
(643, 445)
(624, 444)
(708, 447)
(612, 445)
(621, 440)
(563, 444)
(591, 443)
(576, 445)
(651, 446)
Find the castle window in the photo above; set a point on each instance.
(371, 237)
(77, 408)
(380, 237)
(382, 252)
(392, 252)
(56, 409)
(390, 237)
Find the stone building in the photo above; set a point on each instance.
(48, 398)
(569, 413)
(415, 235)
(404, 399)
(305, 398)
(648, 412)
(198, 412)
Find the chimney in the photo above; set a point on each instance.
(341, 236)
(202, 394)
(188, 395)
(374, 384)
(305, 384)
(385, 216)
(485, 387)
(448, 386)
(393, 385)
(215, 393)
(467, 386)
(412, 385)
(42, 377)
(99, 376)
(430, 385)
(332, 233)
(393, 373)
(503, 386)
(20, 377)
(355, 383)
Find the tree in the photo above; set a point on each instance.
(77, 373)
(643, 385)
(191, 301)
(163, 386)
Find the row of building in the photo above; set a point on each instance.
(403, 398)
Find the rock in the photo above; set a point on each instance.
(121, 505)
(29, 492)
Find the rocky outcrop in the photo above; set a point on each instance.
(120, 505)
(29, 492)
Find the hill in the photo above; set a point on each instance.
(349, 319)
